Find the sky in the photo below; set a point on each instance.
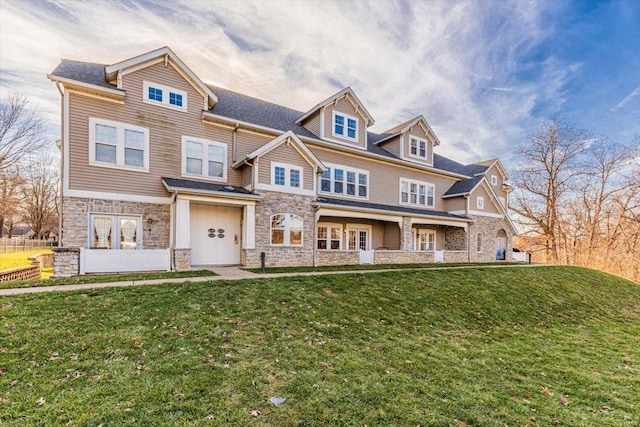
(484, 74)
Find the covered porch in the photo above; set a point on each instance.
(350, 232)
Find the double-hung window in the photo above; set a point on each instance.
(154, 93)
(345, 181)
(329, 236)
(118, 145)
(115, 231)
(420, 148)
(285, 175)
(417, 193)
(345, 126)
(424, 240)
(480, 202)
(286, 230)
(204, 158)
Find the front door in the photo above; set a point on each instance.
(501, 246)
(215, 235)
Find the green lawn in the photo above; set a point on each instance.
(102, 278)
(539, 346)
(352, 267)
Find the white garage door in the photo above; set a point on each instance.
(215, 235)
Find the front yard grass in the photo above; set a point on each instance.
(476, 347)
(353, 267)
(100, 278)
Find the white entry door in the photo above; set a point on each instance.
(215, 235)
(359, 240)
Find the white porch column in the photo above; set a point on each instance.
(183, 230)
(249, 232)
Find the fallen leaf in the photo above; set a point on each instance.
(255, 413)
(13, 383)
(210, 417)
(547, 392)
(459, 422)
(564, 400)
(41, 401)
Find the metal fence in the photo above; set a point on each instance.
(24, 245)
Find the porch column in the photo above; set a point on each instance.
(405, 235)
(183, 229)
(249, 232)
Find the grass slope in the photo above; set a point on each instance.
(483, 347)
(10, 260)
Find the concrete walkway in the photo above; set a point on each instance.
(229, 273)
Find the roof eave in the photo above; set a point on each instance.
(70, 82)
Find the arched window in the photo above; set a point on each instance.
(286, 230)
(479, 242)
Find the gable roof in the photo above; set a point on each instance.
(406, 126)
(112, 71)
(285, 137)
(348, 92)
(462, 188)
(234, 107)
(488, 164)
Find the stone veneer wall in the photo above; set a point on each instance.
(75, 213)
(275, 203)
(489, 228)
(329, 257)
(66, 262)
(455, 239)
(182, 259)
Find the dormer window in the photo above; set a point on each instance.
(345, 126)
(165, 96)
(419, 148)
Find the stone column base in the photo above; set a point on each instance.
(182, 259)
(66, 262)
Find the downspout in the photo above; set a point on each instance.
(467, 198)
(62, 147)
(172, 230)
(316, 217)
(234, 141)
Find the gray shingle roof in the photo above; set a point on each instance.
(463, 187)
(388, 208)
(204, 186)
(245, 108)
(86, 72)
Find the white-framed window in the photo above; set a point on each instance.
(154, 93)
(345, 126)
(417, 193)
(115, 231)
(285, 175)
(480, 202)
(479, 242)
(119, 145)
(204, 158)
(345, 181)
(286, 229)
(494, 180)
(329, 236)
(424, 240)
(418, 147)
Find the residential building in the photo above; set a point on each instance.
(161, 171)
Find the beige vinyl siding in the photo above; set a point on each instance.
(455, 204)
(289, 155)
(417, 131)
(344, 106)
(496, 188)
(384, 179)
(392, 146)
(247, 142)
(391, 236)
(489, 207)
(312, 124)
(166, 128)
(247, 177)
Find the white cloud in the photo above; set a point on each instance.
(452, 62)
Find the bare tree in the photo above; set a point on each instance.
(39, 203)
(550, 162)
(10, 186)
(22, 130)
